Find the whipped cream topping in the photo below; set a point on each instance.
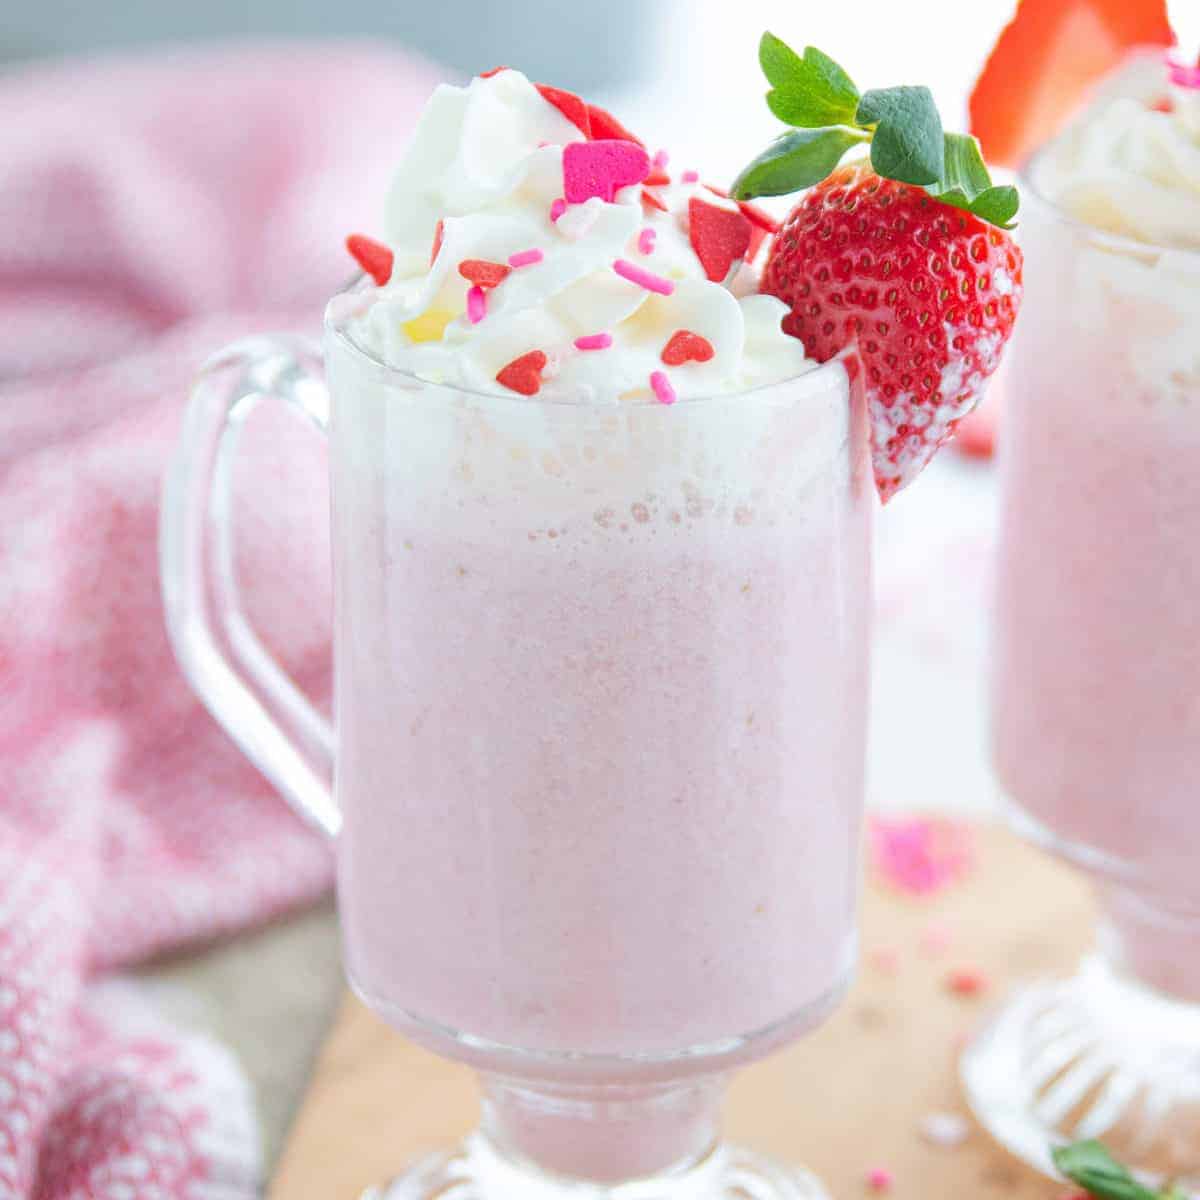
(1128, 168)
(484, 175)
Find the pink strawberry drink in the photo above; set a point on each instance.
(601, 549)
(1097, 656)
(601, 666)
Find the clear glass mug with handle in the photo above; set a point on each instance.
(1096, 704)
(600, 689)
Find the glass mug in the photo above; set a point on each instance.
(1096, 689)
(600, 688)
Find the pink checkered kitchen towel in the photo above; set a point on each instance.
(151, 210)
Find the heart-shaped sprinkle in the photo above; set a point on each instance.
(600, 168)
(374, 257)
(604, 125)
(686, 346)
(719, 236)
(570, 105)
(438, 231)
(524, 374)
(483, 273)
(650, 200)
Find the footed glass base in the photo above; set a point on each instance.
(477, 1171)
(1094, 1056)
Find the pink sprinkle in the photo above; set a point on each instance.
(525, 258)
(643, 278)
(885, 960)
(476, 304)
(690, 177)
(543, 145)
(645, 242)
(919, 855)
(880, 1179)
(662, 388)
(660, 160)
(936, 938)
(594, 341)
(1184, 76)
(557, 208)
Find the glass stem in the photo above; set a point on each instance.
(1151, 941)
(603, 1133)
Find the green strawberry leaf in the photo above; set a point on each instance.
(966, 184)
(809, 90)
(1090, 1165)
(907, 144)
(793, 161)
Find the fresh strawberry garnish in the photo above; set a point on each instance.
(928, 292)
(905, 258)
(1045, 61)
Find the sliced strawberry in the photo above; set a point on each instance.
(719, 236)
(1045, 61)
(928, 292)
(605, 125)
(570, 105)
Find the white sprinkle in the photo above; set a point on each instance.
(945, 1129)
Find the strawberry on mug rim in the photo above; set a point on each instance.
(905, 255)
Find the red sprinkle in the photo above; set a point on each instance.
(719, 236)
(605, 125)
(525, 258)
(570, 105)
(438, 231)
(493, 71)
(652, 201)
(660, 385)
(967, 981)
(483, 273)
(657, 178)
(374, 257)
(686, 346)
(524, 374)
(642, 277)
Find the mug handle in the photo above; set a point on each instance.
(265, 713)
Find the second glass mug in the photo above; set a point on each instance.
(600, 692)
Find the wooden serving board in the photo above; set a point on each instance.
(850, 1097)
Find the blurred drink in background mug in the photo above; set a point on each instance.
(1096, 728)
